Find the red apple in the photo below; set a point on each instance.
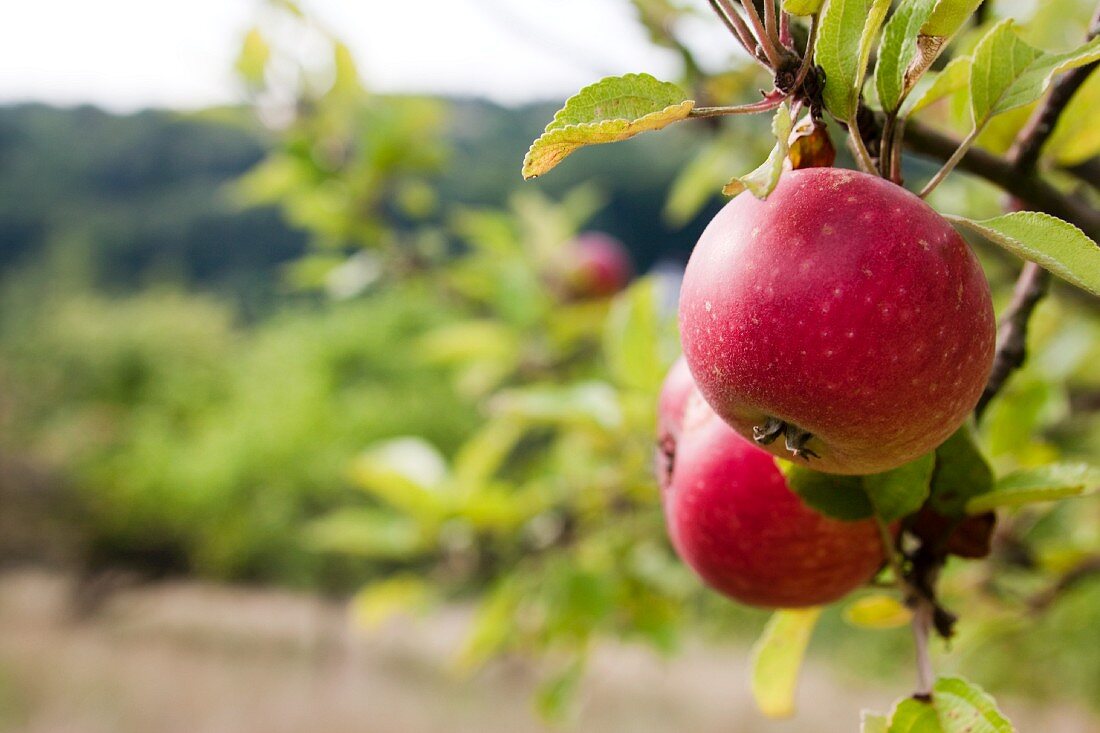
(842, 312)
(732, 518)
(599, 265)
(671, 405)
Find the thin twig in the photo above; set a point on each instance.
(763, 105)
(922, 630)
(761, 32)
(1031, 287)
(863, 157)
(1033, 190)
(736, 25)
(887, 153)
(771, 23)
(1034, 282)
(895, 145)
(1080, 572)
(808, 54)
(785, 37)
(954, 160)
(890, 550)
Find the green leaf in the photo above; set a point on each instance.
(612, 109)
(915, 716)
(848, 28)
(803, 7)
(697, 183)
(1029, 485)
(1008, 73)
(939, 27)
(482, 455)
(409, 474)
(962, 472)
(370, 533)
(378, 602)
(777, 657)
(897, 50)
(948, 17)
(763, 180)
(954, 77)
(639, 342)
(554, 696)
(580, 404)
(254, 56)
(839, 497)
(1057, 245)
(873, 723)
(957, 706)
(494, 628)
(901, 491)
(877, 611)
(963, 707)
(1076, 138)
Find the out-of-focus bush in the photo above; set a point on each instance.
(186, 434)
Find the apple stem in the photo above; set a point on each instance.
(785, 37)
(794, 437)
(859, 148)
(954, 160)
(760, 31)
(771, 23)
(736, 25)
(769, 431)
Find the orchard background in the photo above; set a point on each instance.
(315, 415)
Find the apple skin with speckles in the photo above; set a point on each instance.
(843, 305)
(733, 519)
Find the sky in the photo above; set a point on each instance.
(130, 54)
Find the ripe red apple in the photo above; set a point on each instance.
(732, 517)
(671, 405)
(842, 312)
(599, 265)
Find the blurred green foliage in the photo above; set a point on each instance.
(188, 435)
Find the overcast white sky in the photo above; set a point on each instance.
(127, 54)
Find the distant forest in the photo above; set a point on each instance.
(122, 201)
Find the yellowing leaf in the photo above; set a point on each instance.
(877, 612)
(1044, 239)
(777, 657)
(612, 109)
(764, 179)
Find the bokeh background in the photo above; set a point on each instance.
(308, 420)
